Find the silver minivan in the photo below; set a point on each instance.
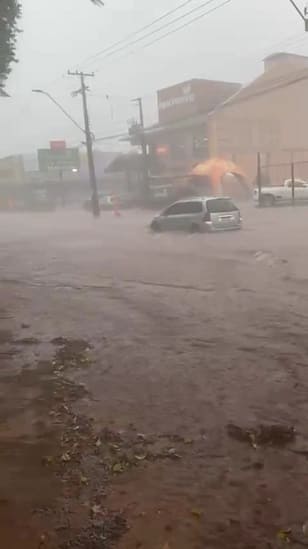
(199, 215)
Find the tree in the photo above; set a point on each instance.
(10, 11)
(9, 14)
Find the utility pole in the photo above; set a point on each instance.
(303, 15)
(89, 140)
(145, 164)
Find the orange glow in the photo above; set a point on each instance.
(161, 150)
(216, 168)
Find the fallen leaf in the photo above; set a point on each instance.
(66, 457)
(284, 535)
(252, 437)
(118, 468)
(95, 510)
(173, 454)
(114, 446)
(43, 539)
(141, 457)
(47, 460)
(188, 441)
(196, 513)
(98, 443)
(84, 480)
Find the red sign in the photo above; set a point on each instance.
(57, 145)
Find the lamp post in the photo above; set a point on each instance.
(43, 92)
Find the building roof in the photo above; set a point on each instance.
(284, 54)
(264, 84)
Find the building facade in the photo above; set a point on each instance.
(269, 116)
(180, 138)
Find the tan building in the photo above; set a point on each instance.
(270, 116)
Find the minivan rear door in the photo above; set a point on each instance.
(224, 214)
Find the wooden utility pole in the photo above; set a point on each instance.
(303, 15)
(259, 178)
(145, 165)
(89, 140)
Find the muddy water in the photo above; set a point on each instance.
(178, 338)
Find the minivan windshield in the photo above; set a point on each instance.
(219, 205)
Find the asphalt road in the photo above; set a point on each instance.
(186, 335)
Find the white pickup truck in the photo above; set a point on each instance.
(272, 196)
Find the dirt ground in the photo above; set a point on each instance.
(153, 387)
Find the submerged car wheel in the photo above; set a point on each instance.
(195, 228)
(267, 200)
(155, 226)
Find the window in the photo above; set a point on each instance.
(298, 183)
(193, 207)
(174, 210)
(182, 208)
(219, 205)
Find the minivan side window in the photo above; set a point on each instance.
(219, 205)
(181, 208)
(193, 207)
(175, 209)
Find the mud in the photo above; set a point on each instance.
(125, 359)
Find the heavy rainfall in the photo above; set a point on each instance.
(153, 274)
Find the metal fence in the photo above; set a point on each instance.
(275, 174)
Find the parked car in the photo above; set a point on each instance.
(272, 196)
(199, 215)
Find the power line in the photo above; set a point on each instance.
(186, 24)
(138, 31)
(166, 25)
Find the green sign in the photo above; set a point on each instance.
(58, 159)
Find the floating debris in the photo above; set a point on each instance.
(263, 435)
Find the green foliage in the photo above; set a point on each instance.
(9, 14)
(10, 11)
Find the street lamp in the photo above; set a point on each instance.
(60, 107)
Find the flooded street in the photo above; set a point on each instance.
(136, 373)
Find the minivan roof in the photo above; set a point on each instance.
(203, 198)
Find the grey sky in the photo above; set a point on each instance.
(59, 34)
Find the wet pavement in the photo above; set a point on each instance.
(154, 387)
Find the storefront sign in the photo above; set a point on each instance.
(186, 97)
